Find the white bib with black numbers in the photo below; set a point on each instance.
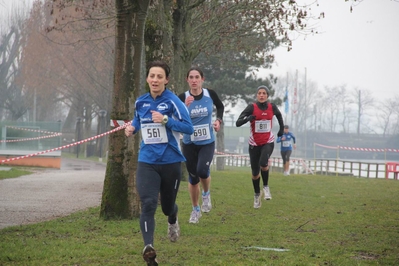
(286, 143)
(154, 133)
(262, 126)
(201, 132)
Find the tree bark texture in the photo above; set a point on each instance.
(120, 199)
(220, 162)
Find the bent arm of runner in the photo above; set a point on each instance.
(182, 123)
(245, 115)
(279, 117)
(218, 103)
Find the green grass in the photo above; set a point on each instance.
(20, 170)
(14, 172)
(319, 220)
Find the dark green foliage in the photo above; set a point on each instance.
(230, 75)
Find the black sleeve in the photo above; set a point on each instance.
(182, 96)
(218, 103)
(242, 119)
(279, 117)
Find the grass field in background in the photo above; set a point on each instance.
(14, 172)
(311, 220)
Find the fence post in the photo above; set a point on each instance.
(78, 134)
(101, 129)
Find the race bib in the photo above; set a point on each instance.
(286, 143)
(262, 126)
(154, 133)
(201, 132)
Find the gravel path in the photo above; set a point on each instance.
(51, 193)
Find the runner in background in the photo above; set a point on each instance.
(198, 148)
(261, 140)
(287, 142)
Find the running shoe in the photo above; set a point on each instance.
(173, 231)
(266, 192)
(149, 255)
(206, 203)
(194, 217)
(257, 201)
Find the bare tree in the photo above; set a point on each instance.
(250, 28)
(13, 98)
(388, 115)
(68, 61)
(345, 112)
(331, 102)
(363, 100)
(124, 20)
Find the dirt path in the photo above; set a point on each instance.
(51, 193)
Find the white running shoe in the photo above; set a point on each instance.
(266, 192)
(257, 201)
(194, 217)
(173, 231)
(206, 203)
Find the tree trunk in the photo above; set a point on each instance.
(182, 59)
(220, 148)
(120, 198)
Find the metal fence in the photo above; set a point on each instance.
(27, 137)
(322, 166)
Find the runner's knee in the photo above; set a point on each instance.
(149, 205)
(264, 168)
(203, 173)
(193, 179)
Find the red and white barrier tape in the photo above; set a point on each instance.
(357, 149)
(118, 123)
(327, 147)
(67, 146)
(33, 130)
(113, 123)
(368, 149)
(27, 139)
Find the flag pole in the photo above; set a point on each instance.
(286, 101)
(305, 115)
(295, 105)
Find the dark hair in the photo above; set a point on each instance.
(197, 69)
(160, 64)
(286, 126)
